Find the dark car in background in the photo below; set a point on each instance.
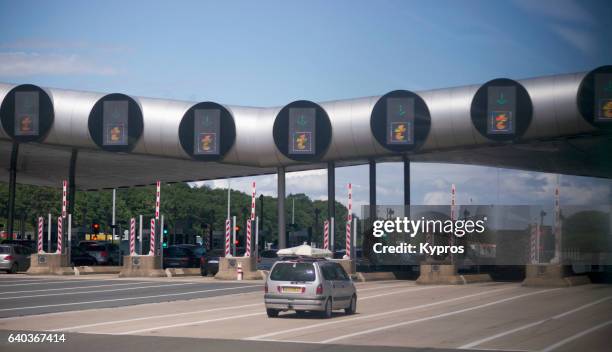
(211, 263)
(266, 259)
(105, 253)
(26, 243)
(179, 256)
(78, 257)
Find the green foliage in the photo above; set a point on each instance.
(186, 209)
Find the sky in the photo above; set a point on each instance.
(269, 53)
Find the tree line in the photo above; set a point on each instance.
(186, 209)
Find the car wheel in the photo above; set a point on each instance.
(352, 308)
(272, 313)
(13, 269)
(327, 313)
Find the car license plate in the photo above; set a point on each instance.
(292, 289)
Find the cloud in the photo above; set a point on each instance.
(577, 38)
(28, 64)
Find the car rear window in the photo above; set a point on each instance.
(5, 249)
(293, 272)
(95, 248)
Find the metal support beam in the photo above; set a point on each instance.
(406, 186)
(71, 181)
(372, 190)
(282, 231)
(331, 190)
(12, 185)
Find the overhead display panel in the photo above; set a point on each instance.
(595, 97)
(400, 121)
(206, 128)
(207, 131)
(27, 113)
(116, 123)
(501, 110)
(603, 96)
(302, 131)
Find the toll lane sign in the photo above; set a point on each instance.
(400, 120)
(603, 97)
(206, 128)
(26, 113)
(302, 131)
(501, 109)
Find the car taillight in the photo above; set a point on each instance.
(104, 254)
(266, 288)
(8, 257)
(319, 289)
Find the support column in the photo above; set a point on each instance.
(12, 185)
(71, 181)
(331, 190)
(372, 190)
(406, 186)
(282, 232)
(331, 201)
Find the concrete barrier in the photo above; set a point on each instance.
(228, 268)
(90, 270)
(376, 276)
(552, 275)
(142, 266)
(50, 264)
(178, 272)
(446, 274)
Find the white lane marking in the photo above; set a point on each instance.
(190, 323)
(78, 287)
(98, 291)
(266, 336)
(431, 317)
(398, 292)
(382, 287)
(54, 282)
(574, 337)
(127, 298)
(11, 281)
(527, 326)
(70, 328)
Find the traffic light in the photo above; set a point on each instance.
(95, 228)
(237, 243)
(165, 238)
(237, 228)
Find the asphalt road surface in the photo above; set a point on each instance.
(492, 316)
(27, 295)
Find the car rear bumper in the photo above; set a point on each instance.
(292, 303)
(5, 265)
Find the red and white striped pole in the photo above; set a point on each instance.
(133, 236)
(253, 202)
(557, 224)
(326, 234)
(533, 253)
(64, 201)
(348, 221)
(152, 238)
(41, 222)
(247, 253)
(227, 237)
(157, 200)
(60, 235)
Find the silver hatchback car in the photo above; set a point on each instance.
(309, 284)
